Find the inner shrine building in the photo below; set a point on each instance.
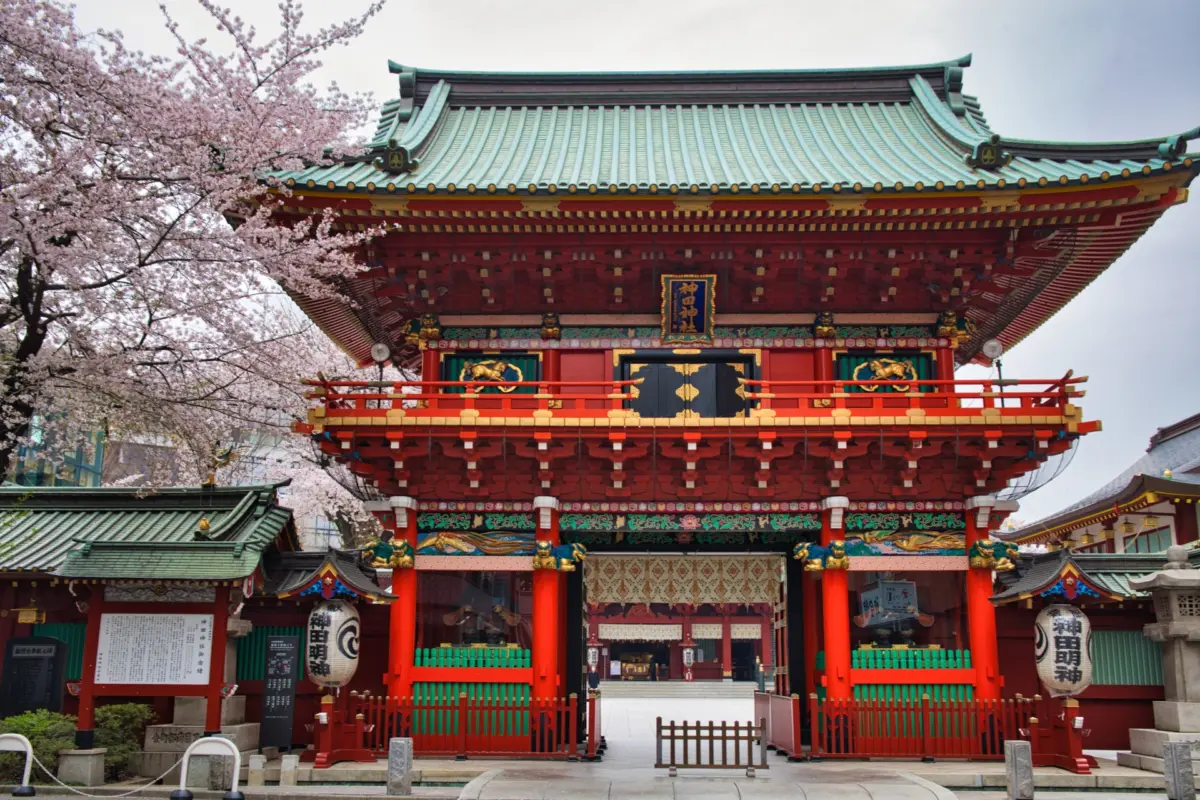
(706, 326)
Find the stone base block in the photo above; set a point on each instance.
(82, 767)
(191, 710)
(1174, 716)
(1138, 761)
(200, 772)
(1149, 741)
(176, 738)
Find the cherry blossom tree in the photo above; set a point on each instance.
(141, 272)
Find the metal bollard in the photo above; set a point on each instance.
(16, 743)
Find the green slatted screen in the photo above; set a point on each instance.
(1125, 658)
(496, 657)
(505, 720)
(71, 634)
(252, 651)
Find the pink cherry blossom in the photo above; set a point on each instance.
(143, 275)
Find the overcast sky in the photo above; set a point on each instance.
(1079, 70)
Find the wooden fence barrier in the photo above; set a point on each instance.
(925, 729)
(474, 727)
(687, 734)
(782, 715)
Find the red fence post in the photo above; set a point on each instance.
(592, 727)
(573, 710)
(461, 717)
(926, 729)
(815, 750)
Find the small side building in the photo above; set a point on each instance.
(203, 576)
(1151, 505)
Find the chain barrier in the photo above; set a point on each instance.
(54, 778)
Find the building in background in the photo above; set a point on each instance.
(82, 466)
(1148, 507)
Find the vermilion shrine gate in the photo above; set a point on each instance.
(665, 314)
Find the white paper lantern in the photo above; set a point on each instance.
(332, 654)
(1063, 645)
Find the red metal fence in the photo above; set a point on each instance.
(465, 727)
(970, 729)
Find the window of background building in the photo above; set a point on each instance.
(1156, 541)
(465, 608)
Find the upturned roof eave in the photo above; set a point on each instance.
(1139, 487)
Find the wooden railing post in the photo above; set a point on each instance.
(593, 729)
(658, 742)
(926, 729)
(461, 716)
(815, 750)
(573, 738)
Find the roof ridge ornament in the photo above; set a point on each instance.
(1175, 146)
(988, 154)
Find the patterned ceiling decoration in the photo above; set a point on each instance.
(683, 579)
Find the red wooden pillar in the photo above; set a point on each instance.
(726, 646)
(1185, 522)
(812, 638)
(835, 592)
(399, 515)
(981, 614)
(767, 631)
(431, 364)
(216, 664)
(687, 642)
(402, 627)
(546, 598)
(85, 724)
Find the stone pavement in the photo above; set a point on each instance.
(627, 771)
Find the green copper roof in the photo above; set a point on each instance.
(121, 534)
(870, 130)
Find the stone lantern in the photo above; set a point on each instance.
(1175, 590)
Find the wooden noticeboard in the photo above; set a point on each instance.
(137, 649)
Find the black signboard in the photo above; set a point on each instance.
(279, 691)
(33, 675)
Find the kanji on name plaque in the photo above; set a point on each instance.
(154, 648)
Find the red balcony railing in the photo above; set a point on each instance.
(1009, 401)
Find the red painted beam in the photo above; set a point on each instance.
(899, 676)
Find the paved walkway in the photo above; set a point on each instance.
(627, 771)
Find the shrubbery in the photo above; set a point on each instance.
(47, 731)
(119, 728)
(122, 729)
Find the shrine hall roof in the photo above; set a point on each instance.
(1170, 467)
(1108, 574)
(131, 534)
(883, 130)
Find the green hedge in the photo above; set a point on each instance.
(120, 728)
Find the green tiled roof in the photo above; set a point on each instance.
(124, 534)
(1108, 571)
(882, 130)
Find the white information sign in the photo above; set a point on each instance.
(154, 648)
